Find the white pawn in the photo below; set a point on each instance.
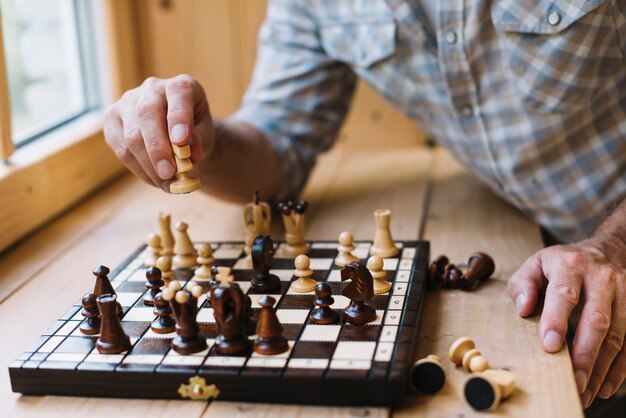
(345, 248)
(375, 266)
(154, 248)
(184, 251)
(164, 263)
(304, 283)
(205, 260)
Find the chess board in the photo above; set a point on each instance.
(326, 364)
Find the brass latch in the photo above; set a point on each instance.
(198, 390)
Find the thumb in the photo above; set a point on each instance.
(526, 283)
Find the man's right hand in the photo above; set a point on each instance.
(141, 125)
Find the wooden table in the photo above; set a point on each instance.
(431, 197)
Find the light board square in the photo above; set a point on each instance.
(354, 350)
(50, 345)
(320, 333)
(292, 316)
(390, 263)
(408, 252)
(205, 315)
(392, 317)
(137, 276)
(389, 333)
(228, 253)
(384, 351)
(340, 364)
(67, 328)
(72, 357)
(255, 300)
(406, 264)
(225, 361)
(128, 299)
(334, 276)
(139, 314)
(308, 363)
(148, 359)
(320, 264)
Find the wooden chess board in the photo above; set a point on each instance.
(326, 364)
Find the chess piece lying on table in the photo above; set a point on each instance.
(427, 375)
(184, 183)
(293, 219)
(360, 290)
(485, 390)
(113, 339)
(480, 267)
(463, 352)
(184, 303)
(262, 256)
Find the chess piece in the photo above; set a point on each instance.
(345, 248)
(103, 286)
(164, 263)
(304, 283)
(323, 314)
(485, 390)
(184, 183)
(375, 266)
(167, 239)
(257, 218)
(360, 290)
(451, 276)
(164, 323)
(91, 324)
(262, 256)
(427, 375)
(205, 260)
(113, 339)
(480, 267)
(436, 270)
(463, 353)
(153, 283)
(229, 309)
(270, 340)
(293, 219)
(154, 250)
(184, 251)
(383, 245)
(184, 303)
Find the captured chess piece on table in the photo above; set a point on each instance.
(427, 375)
(323, 314)
(257, 219)
(184, 303)
(383, 245)
(293, 219)
(485, 390)
(375, 266)
(183, 183)
(262, 256)
(344, 250)
(113, 339)
(359, 290)
(304, 283)
(463, 352)
(480, 267)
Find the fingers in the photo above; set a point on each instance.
(525, 284)
(615, 376)
(593, 325)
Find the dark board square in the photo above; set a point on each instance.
(346, 374)
(77, 345)
(337, 287)
(282, 264)
(183, 275)
(54, 328)
(132, 287)
(296, 302)
(412, 303)
(226, 262)
(135, 329)
(244, 275)
(403, 353)
(208, 330)
(378, 302)
(379, 370)
(152, 346)
(406, 334)
(359, 332)
(409, 318)
(70, 313)
(319, 275)
(313, 349)
(323, 252)
(292, 331)
(263, 371)
(291, 372)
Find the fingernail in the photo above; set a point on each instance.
(585, 399)
(178, 133)
(581, 380)
(165, 169)
(519, 302)
(553, 341)
(606, 390)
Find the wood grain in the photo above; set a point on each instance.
(6, 138)
(464, 217)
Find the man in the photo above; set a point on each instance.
(528, 94)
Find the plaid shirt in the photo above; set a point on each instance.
(530, 95)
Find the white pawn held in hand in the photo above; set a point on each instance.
(383, 243)
(304, 283)
(345, 248)
(375, 266)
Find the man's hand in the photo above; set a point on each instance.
(141, 125)
(591, 274)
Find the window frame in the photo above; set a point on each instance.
(40, 180)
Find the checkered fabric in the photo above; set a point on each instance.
(528, 94)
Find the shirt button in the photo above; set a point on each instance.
(554, 18)
(451, 37)
(467, 111)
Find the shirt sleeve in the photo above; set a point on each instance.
(298, 96)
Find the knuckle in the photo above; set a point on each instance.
(575, 258)
(614, 341)
(151, 82)
(583, 359)
(133, 137)
(607, 276)
(182, 81)
(148, 107)
(110, 113)
(567, 292)
(599, 319)
(123, 154)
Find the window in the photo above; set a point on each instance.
(51, 64)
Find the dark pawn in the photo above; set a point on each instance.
(359, 290)
(91, 324)
(451, 276)
(480, 267)
(323, 314)
(153, 283)
(103, 286)
(270, 340)
(113, 339)
(436, 270)
(164, 323)
(262, 256)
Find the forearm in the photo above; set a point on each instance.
(241, 161)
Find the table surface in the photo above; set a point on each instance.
(431, 197)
